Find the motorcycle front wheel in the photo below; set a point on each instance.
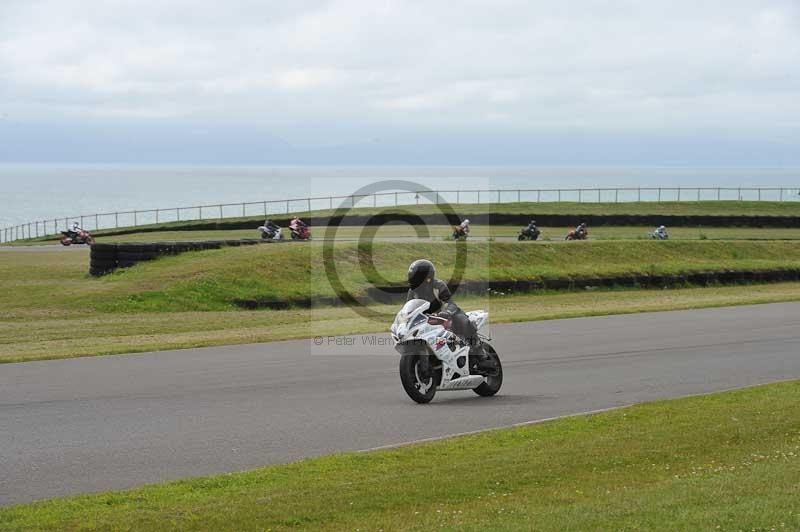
(419, 389)
(492, 384)
(521, 237)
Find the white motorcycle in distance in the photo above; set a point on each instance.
(433, 358)
(270, 232)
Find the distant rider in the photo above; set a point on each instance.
(76, 228)
(581, 230)
(463, 228)
(661, 232)
(423, 284)
(297, 223)
(531, 230)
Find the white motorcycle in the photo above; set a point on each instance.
(268, 233)
(434, 358)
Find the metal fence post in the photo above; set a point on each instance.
(679, 194)
(519, 195)
(559, 195)
(719, 193)
(639, 196)
(395, 199)
(244, 211)
(616, 195)
(265, 209)
(698, 193)
(539, 196)
(220, 211)
(740, 193)
(598, 194)
(458, 196)
(116, 219)
(580, 195)
(156, 215)
(135, 219)
(759, 193)
(498, 195)
(178, 214)
(287, 206)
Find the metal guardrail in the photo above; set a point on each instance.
(135, 218)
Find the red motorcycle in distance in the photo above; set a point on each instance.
(300, 232)
(81, 236)
(575, 235)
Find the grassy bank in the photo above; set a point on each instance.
(211, 280)
(727, 461)
(50, 307)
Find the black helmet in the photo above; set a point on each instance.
(419, 272)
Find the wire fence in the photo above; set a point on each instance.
(266, 208)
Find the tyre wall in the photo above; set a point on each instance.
(105, 258)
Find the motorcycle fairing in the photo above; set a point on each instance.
(411, 325)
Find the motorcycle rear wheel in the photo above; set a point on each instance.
(418, 389)
(492, 384)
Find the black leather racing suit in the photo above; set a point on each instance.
(438, 295)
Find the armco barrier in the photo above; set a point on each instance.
(105, 258)
(397, 294)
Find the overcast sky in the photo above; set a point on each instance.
(376, 81)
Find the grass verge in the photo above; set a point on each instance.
(41, 334)
(726, 461)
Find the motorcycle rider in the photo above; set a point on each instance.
(580, 231)
(423, 284)
(76, 229)
(661, 233)
(271, 227)
(297, 225)
(462, 229)
(531, 230)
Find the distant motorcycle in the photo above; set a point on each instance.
(301, 232)
(655, 235)
(271, 232)
(575, 235)
(76, 237)
(527, 234)
(459, 233)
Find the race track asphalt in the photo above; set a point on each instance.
(94, 424)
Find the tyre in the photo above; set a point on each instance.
(419, 390)
(492, 384)
(521, 238)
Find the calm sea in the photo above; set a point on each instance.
(33, 192)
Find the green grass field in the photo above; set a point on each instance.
(727, 461)
(51, 308)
